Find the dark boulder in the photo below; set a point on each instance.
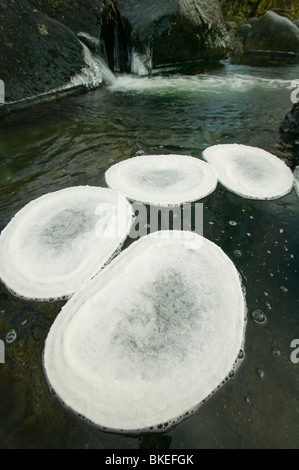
(274, 33)
(77, 15)
(37, 53)
(168, 32)
(244, 31)
(289, 130)
(272, 40)
(290, 125)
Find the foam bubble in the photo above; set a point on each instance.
(162, 179)
(58, 241)
(250, 171)
(150, 337)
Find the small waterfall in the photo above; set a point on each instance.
(95, 72)
(141, 64)
(116, 51)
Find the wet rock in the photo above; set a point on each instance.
(37, 53)
(289, 130)
(77, 15)
(170, 32)
(274, 40)
(274, 33)
(244, 31)
(253, 21)
(290, 124)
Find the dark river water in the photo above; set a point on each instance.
(73, 142)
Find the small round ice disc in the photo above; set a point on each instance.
(60, 240)
(250, 172)
(162, 179)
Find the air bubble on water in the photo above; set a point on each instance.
(259, 316)
(110, 161)
(11, 336)
(284, 289)
(211, 223)
(268, 305)
(266, 294)
(261, 373)
(276, 352)
(24, 322)
(232, 223)
(231, 374)
(241, 354)
(238, 253)
(252, 217)
(248, 234)
(269, 252)
(281, 230)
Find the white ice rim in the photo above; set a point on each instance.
(198, 190)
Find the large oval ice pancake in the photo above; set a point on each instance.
(151, 336)
(60, 240)
(250, 172)
(162, 179)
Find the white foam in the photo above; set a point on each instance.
(57, 242)
(95, 71)
(151, 336)
(249, 171)
(162, 179)
(296, 180)
(141, 64)
(193, 84)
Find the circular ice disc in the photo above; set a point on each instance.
(250, 171)
(162, 179)
(151, 336)
(60, 240)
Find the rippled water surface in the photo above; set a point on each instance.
(73, 142)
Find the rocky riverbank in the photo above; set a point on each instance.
(41, 53)
(290, 133)
(42, 56)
